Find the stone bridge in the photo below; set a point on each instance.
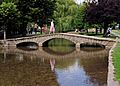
(76, 39)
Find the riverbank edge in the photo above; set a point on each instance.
(111, 73)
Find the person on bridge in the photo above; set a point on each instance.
(35, 28)
(52, 28)
(44, 28)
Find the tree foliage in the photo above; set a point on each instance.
(8, 15)
(103, 12)
(79, 21)
(7, 11)
(65, 14)
(69, 15)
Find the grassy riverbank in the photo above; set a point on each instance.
(116, 31)
(116, 61)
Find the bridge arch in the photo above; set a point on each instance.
(46, 42)
(28, 45)
(60, 37)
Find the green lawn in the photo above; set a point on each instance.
(91, 34)
(98, 35)
(116, 31)
(116, 61)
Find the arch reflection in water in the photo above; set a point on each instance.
(79, 68)
(89, 45)
(58, 51)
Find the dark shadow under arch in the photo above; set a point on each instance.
(88, 46)
(27, 46)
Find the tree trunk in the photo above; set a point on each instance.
(96, 31)
(23, 29)
(100, 30)
(87, 30)
(105, 29)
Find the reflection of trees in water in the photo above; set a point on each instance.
(58, 42)
(26, 72)
(96, 67)
(57, 51)
(87, 58)
(93, 62)
(65, 62)
(92, 53)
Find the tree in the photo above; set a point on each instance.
(79, 20)
(103, 12)
(46, 9)
(8, 15)
(65, 14)
(24, 6)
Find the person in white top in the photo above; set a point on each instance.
(52, 28)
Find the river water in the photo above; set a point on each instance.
(55, 65)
